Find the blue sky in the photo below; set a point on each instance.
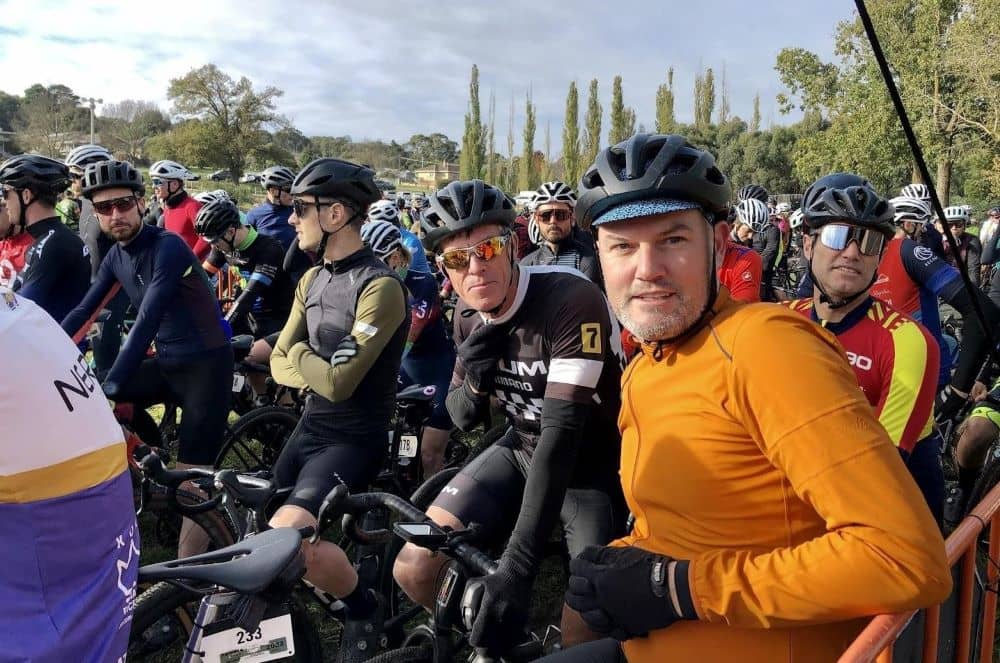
(388, 70)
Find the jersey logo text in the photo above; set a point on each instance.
(860, 361)
(523, 368)
(83, 376)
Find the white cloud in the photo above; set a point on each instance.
(387, 69)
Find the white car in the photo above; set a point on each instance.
(250, 178)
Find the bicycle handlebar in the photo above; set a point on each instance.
(341, 501)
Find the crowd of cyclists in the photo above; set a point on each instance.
(728, 405)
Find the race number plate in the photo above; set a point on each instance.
(272, 640)
(407, 446)
(238, 382)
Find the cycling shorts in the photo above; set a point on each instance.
(313, 465)
(431, 370)
(488, 491)
(201, 386)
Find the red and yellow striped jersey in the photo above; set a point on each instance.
(896, 362)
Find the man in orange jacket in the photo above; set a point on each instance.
(766, 529)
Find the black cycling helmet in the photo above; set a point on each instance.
(34, 172)
(111, 175)
(754, 191)
(215, 218)
(850, 198)
(336, 178)
(651, 166)
(462, 206)
(846, 197)
(277, 176)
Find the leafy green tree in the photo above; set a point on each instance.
(666, 122)
(236, 113)
(473, 154)
(572, 166)
(592, 142)
(618, 131)
(528, 175)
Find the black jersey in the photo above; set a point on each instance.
(56, 271)
(564, 344)
(260, 258)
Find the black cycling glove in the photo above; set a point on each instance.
(479, 354)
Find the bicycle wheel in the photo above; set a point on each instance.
(399, 607)
(256, 439)
(164, 617)
(220, 529)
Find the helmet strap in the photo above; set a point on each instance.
(835, 304)
(321, 250)
(22, 220)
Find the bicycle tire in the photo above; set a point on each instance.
(988, 478)
(420, 654)
(396, 600)
(255, 441)
(166, 601)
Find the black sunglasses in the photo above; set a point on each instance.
(123, 204)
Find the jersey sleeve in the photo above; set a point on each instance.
(44, 281)
(581, 338)
(294, 332)
(910, 382)
(745, 278)
(215, 261)
(380, 310)
(837, 459)
(927, 269)
(87, 307)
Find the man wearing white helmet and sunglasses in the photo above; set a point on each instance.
(179, 209)
(562, 243)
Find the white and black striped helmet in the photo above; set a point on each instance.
(553, 192)
(795, 220)
(383, 210)
(918, 191)
(909, 208)
(170, 170)
(534, 232)
(754, 213)
(956, 213)
(383, 237)
(206, 197)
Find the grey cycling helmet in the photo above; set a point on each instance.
(652, 167)
(215, 218)
(206, 197)
(34, 172)
(462, 206)
(279, 177)
(752, 191)
(111, 175)
(919, 191)
(846, 197)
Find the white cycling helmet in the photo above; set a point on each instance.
(754, 213)
(918, 191)
(782, 208)
(170, 170)
(206, 197)
(84, 155)
(383, 210)
(534, 232)
(795, 220)
(553, 192)
(911, 209)
(956, 213)
(382, 236)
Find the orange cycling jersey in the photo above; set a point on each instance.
(769, 495)
(741, 272)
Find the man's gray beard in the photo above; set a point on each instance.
(664, 326)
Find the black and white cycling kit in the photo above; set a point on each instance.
(558, 382)
(56, 270)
